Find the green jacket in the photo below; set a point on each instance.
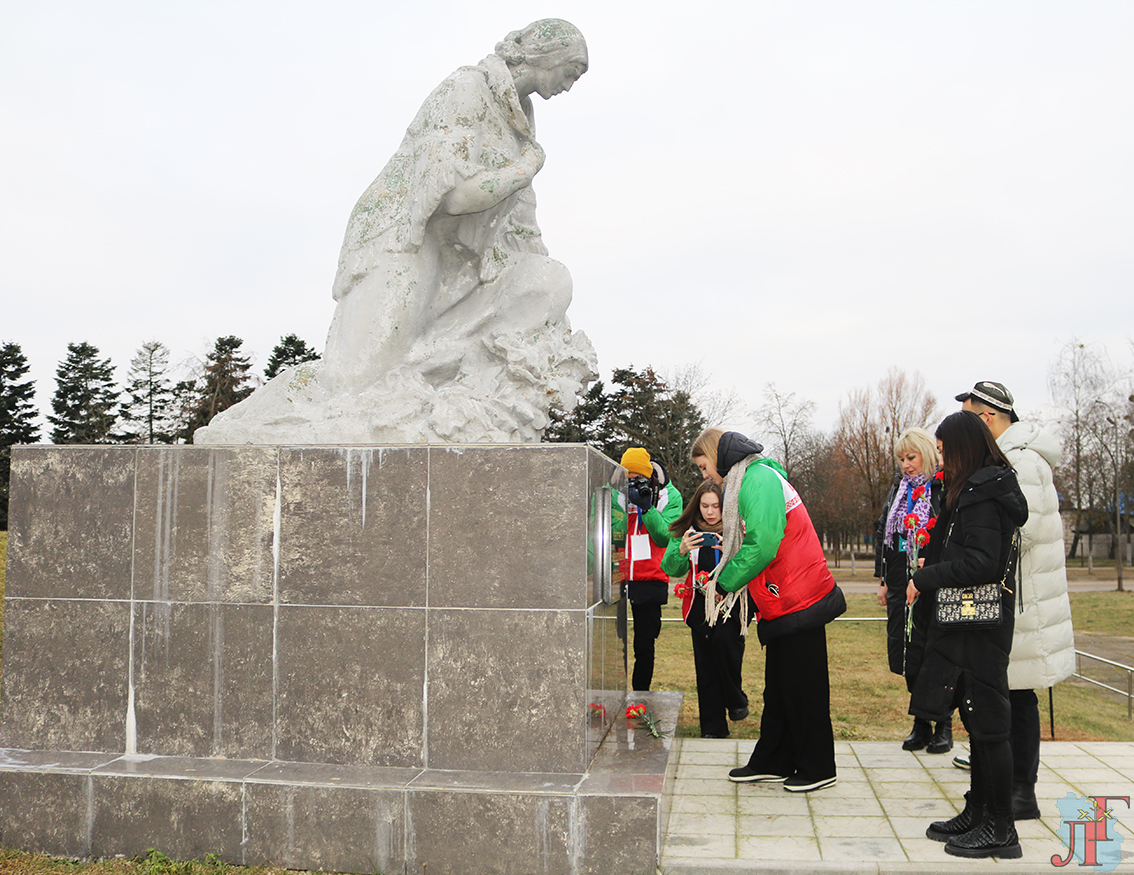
(764, 512)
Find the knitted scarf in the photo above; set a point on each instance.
(731, 537)
(895, 522)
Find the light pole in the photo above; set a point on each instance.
(1119, 546)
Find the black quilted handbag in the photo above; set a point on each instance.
(975, 607)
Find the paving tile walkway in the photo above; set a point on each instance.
(874, 819)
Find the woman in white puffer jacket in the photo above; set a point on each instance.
(1043, 646)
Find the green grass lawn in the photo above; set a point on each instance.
(868, 703)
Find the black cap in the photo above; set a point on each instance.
(995, 395)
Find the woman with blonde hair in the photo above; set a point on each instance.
(909, 515)
(770, 548)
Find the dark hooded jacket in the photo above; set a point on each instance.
(780, 559)
(891, 566)
(975, 548)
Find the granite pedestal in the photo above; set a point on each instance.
(355, 658)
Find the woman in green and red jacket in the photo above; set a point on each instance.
(771, 548)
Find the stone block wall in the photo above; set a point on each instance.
(414, 607)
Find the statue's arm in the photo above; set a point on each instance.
(486, 189)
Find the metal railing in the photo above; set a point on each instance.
(1128, 692)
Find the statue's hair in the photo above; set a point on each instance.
(542, 43)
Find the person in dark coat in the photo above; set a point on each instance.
(967, 667)
(914, 498)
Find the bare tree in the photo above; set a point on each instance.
(716, 406)
(1078, 377)
(904, 401)
(785, 428)
(870, 421)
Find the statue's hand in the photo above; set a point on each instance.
(487, 188)
(534, 156)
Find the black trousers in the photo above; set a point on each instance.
(718, 658)
(647, 627)
(990, 778)
(795, 728)
(1025, 736)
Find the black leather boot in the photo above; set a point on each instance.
(943, 830)
(942, 740)
(1024, 804)
(995, 836)
(919, 736)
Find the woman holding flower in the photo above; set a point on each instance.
(718, 650)
(904, 529)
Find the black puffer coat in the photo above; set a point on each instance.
(891, 566)
(975, 549)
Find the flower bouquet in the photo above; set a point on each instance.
(645, 719)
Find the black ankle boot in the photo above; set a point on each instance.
(943, 830)
(919, 736)
(995, 836)
(1024, 804)
(942, 740)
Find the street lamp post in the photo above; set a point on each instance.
(1119, 546)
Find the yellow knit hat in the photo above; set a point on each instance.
(637, 461)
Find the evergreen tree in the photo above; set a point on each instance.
(85, 398)
(645, 411)
(17, 415)
(586, 424)
(225, 381)
(148, 413)
(290, 351)
(642, 411)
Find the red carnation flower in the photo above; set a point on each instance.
(918, 493)
(922, 537)
(911, 521)
(931, 522)
(940, 475)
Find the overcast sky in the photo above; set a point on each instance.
(799, 192)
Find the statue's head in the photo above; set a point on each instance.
(546, 57)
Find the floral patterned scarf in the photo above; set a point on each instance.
(904, 504)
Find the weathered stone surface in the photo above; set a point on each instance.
(204, 530)
(505, 834)
(294, 730)
(65, 675)
(44, 812)
(336, 829)
(622, 834)
(71, 516)
(512, 681)
(350, 685)
(334, 775)
(185, 819)
(193, 768)
(606, 673)
(203, 679)
(353, 526)
(508, 527)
